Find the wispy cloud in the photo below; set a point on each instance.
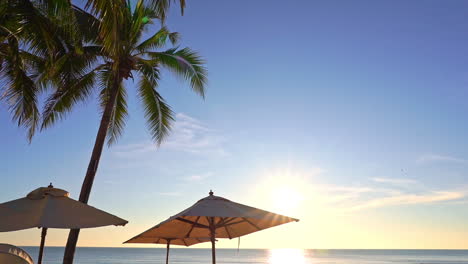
(408, 199)
(193, 136)
(357, 198)
(198, 177)
(396, 181)
(427, 158)
(188, 135)
(134, 148)
(170, 193)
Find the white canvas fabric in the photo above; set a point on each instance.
(10, 254)
(52, 208)
(231, 220)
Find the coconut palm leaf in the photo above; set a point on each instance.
(158, 113)
(118, 116)
(162, 7)
(20, 90)
(66, 97)
(38, 32)
(115, 17)
(119, 110)
(158, 40)
(186, 64)
(142, 16)
(87, 24)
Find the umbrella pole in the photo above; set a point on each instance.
(167, 251)
(212, 235)
(41, 248)
(213, 250)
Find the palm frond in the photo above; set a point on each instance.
(186, 64)
(87, 24)
(39, 32)
(73, 64)
(148, 68)
(158, 40)
(66, 97)
(20, 90)
(162, 7)
(142, 16)
(118, 117)
(37, 67)
(115, 23)
(158, 114)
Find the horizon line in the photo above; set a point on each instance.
(181, 247)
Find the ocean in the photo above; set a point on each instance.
(53, 255)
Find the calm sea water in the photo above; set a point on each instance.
(53, 255)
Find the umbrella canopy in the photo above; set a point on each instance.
(52, 208)
(215, 217)
(49, 207)
(230, 220)
(10, 254)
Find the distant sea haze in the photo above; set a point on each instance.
(53, 255)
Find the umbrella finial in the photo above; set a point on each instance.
(50, 186)
(211, 193)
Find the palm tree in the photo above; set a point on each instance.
(112, 53)
(50, 44)
(33, 35)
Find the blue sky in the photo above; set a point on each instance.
(357, 108)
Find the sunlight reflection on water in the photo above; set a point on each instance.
(287, 256)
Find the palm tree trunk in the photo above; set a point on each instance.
(92, 167)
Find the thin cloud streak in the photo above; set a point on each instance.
(191, 135)
(188, 135)
(357, 198)
(409, 199)
(198, 177)
(397, 181)
(170, 193)
(428, 158)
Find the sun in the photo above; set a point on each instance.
(286, 199)
(284, 191)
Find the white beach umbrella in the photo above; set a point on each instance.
(217, 217)
(49, 207)
(10, 254)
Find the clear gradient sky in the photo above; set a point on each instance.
(350, 115)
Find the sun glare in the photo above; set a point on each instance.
(287, 256)
(284, 191)
(286, 199)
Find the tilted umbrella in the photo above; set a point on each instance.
(151, 236)
(49, 207)
(217, 217)
(14, 255)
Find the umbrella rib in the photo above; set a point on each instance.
(191, 222)
(227, 231)
(254, 225)
(221, 219)
(193, 226)
(233, 223)
(229, 220)
(222, 223)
